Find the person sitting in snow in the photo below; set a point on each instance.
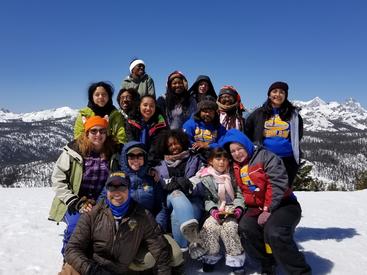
(273, 212)
(203, 128)
(224, 205)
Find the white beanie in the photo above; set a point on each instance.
(134, 63)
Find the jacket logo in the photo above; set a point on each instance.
(132, 224)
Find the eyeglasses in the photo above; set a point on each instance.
(135, 156)
(101, 131)
(114, 188)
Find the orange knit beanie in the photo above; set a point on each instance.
(94, 121)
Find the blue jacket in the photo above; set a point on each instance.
(197, 130)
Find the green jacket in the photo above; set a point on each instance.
(144, 87)
(66, 180)
(116, 125)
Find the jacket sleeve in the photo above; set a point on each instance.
(157, 245)
(117, 127)
(221, 132)
(150, 87)
(78, 126)
(238, 200)
(250, 127)
(189, 128)
(61, 179)
(278, 180)
(79, 245)
(300, 127)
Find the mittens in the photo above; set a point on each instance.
(237, 213)
(215, 213)
(263, 217)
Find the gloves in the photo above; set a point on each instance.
(171, 184)
(263, 217)
(96, 269)
(215, 213)
(72, 207)
(185, 185)
(237, 213)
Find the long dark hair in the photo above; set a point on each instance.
(285, 110)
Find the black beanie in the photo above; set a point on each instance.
(279, 85)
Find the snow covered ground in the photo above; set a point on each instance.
(332, 233)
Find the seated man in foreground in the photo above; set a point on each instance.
(107, 239)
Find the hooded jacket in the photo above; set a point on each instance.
(197, 130)
(178, 114)
(265, 183)
(142, 186)
(195, 87)
(96, 241)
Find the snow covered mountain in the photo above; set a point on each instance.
(334, 142)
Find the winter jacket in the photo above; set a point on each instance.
(96, 240)
(208, 189)
(116, 126)
(254, 129)
(142, 186)
(67, 177)
(197, 130)
(154, 126)
(265, 183)
(195, 87)
(144, 86)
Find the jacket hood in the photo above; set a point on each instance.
(173, 75)
(194, 88)
(123, 159)
(234, 135)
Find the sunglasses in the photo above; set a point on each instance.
(101, 131)
(114, 188)
(135, 156)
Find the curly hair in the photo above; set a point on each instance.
(85, 147)
(177, 134)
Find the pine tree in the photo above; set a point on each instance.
(361, 180)
(304, 181)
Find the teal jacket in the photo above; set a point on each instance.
(116, 124)
(66, 180)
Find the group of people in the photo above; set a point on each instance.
(143, 184)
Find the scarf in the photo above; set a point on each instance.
(224, 185)
(121, 210)
(101, 111)
(175, 160)
(226, 108)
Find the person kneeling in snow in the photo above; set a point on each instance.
(106, 240)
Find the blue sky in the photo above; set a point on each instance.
(52, 50)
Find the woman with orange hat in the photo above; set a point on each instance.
(80, 173)
(100, 104)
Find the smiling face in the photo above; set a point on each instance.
(207, 115)
(177, 85)
(97, 136)
(238, 152)
(174, 146)
(227, 99)
(100, 96)
(147, 107)
(277, 97)
(138, 70)
(118, 196)
(220, 164)
(126, 100)
(203, 87)
(135, 159)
